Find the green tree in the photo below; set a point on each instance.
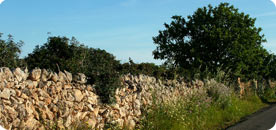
(60, 53)
(212, 38)
(9, 52)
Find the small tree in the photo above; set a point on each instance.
(9, 52)
(212, 38)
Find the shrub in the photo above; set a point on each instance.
(60, 53)
(150, 69)
(266, 93)
(9, 52)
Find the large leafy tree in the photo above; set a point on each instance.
(212, 38)
(9, 52)
(60, 53)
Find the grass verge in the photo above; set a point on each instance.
(214, 111)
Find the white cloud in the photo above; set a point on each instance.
(1, 1)
(274, 1)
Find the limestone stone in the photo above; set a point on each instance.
(6, 102)
(36, 83)
(68, 121)
(35, 74)
(80, 78)
(58, 87)
(45, 75)
(69, 76)
(55, 100)
(29, 84)
(120, 122)
(41, 128)
(92, 100)
(43, 93)
(137, 112)
(31, 123)
(83, 115)
(6, 93)
(131, 124)
(6, 74)
(65, 113)
(19, 74)
(10, 84)
(11, 111)
(137, 102)
(16, 122)
(122, 111)
(35, 113)
(115, 106)
(48, 101)
(92, 122)
(69, 104)
(70, 97)
(62, 77)
(78, 95)
(60, 124)
(54, 77)
(49, 114)
(96, 111)
(24, 96)
(89, 88)
(67, 86)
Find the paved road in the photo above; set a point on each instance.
(262, 120)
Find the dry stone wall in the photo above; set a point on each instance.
(41, 99)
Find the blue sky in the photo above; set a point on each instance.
(122, 27)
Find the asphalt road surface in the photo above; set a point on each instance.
(262, 120)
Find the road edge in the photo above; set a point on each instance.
(253, 114)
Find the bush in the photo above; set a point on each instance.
(218, 92)
(9, 52)
(266, 93)
(150, 69)
(60, 53)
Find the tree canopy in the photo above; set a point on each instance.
(212, 38)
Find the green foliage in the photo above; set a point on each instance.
(269, 95)
(214, 37)
(60, 53)
(9, 52)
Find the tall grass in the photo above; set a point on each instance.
(216, 108)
